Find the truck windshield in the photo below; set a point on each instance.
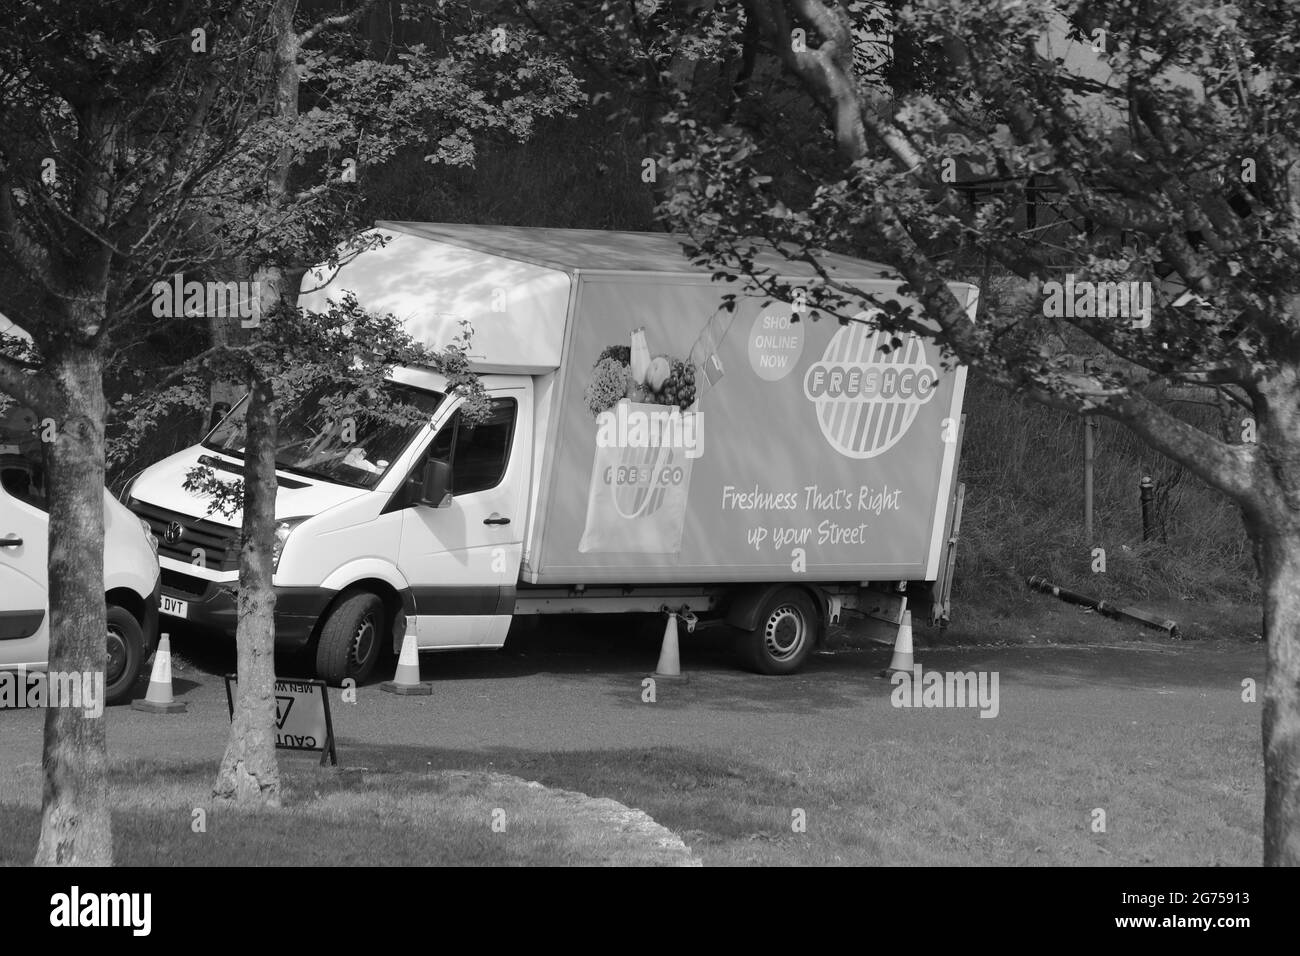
(354, 449)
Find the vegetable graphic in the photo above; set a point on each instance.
(609, 383)
(620, 353)
(663, 381)
(640, 356)
(640, 481)
(660, 369)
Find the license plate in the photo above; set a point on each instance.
(175, 608)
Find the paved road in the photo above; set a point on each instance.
(581, 688)
(577, 689)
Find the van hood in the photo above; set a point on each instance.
(163, 485)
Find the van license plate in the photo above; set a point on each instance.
(174, 607)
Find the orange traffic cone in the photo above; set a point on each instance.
(670, 660)
(407, 679)
(902, 660)
(158, 699)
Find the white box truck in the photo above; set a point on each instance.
(648, 448)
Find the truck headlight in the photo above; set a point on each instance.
(283, 529)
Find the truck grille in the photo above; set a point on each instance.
(220, 543)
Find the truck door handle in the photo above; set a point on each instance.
(495, 518)
(11, 542)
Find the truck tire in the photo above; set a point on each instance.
(351, 639)
(785, 635)
(126, 654)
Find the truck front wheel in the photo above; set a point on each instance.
(786, 633)
(351, 638)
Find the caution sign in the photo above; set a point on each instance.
(302, 716)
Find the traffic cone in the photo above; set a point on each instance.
(902, 660)
(407, 679)
(158, 699)
(670, 660)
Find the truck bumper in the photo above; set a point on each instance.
(296, 612)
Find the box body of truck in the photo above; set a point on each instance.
(669, 441)
(810, 444)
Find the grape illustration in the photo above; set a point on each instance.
(678, 387)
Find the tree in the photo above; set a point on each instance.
(327, 112)
(1164, 132)
(338, 361)
(100, 163)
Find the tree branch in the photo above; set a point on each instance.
(35, 392)
(330, 23)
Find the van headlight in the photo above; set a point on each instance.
(283, 529)
(149, 535)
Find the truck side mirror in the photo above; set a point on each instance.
(435, 489)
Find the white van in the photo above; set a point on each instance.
(649, 447)
(131, 574)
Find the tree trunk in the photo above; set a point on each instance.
(1279, 552)
(75, 824)
(249, 771)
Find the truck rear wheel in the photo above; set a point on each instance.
(126, 655)
(786, 633)
(351, 638)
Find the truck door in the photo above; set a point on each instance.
(462, 561)
(24, 532)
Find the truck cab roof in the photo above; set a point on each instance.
(516, 287)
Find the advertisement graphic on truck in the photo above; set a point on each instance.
(814, 445)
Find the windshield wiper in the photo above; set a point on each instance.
(308, 473)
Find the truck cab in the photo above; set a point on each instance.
(366, 546)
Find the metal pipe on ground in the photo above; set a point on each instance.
(1039, 583)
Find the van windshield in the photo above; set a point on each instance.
(356, 449)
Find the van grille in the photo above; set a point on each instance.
(186, 585)
(218, 541)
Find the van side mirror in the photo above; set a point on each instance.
(435, 488)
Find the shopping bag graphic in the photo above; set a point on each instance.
(636, 501)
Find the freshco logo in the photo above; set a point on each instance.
(866, 400)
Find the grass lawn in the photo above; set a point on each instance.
(350, 818)
(954, 804)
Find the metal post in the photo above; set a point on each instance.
(1147, 497)
(1089, 447)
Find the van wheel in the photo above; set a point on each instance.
(786, 633)
(125, 654)
(351, 639)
